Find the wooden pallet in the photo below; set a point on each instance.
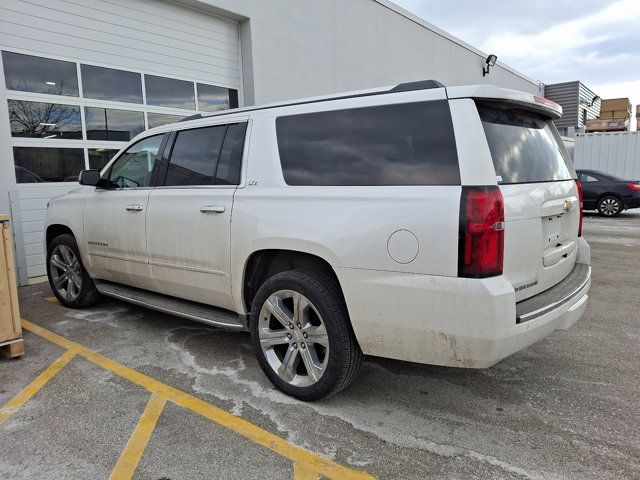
(11, 343)
(12, 349)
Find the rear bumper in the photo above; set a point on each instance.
(455, 322)
(632, 203)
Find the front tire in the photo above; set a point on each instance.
(302, 337)
(70, 282)
(610, 206)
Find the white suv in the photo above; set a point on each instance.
(423, 223)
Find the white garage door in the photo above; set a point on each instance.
(136, 63)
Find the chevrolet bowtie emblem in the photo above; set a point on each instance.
(568, 205)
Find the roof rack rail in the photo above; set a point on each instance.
(419, 85)
(402, 87)
(190, 117)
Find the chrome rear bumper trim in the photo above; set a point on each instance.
(556, 296)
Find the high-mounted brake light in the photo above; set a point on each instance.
(634, 186)
(579, 185)
(481, 237)
(546, 101)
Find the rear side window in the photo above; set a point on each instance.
(525, 146)
(207, 156)
(194, 156)
(228, 172)
(404, 144)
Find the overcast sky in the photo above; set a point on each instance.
(595, 41)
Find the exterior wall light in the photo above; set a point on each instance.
(490, 61)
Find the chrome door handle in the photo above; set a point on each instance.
(212, 209)
(134, 208)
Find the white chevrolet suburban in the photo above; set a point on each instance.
(422, 223)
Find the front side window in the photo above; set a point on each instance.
(27, 73)
(134, 167)
(402, 144)
(194, 157)
(44, 120)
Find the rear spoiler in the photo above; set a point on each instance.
(489, 92)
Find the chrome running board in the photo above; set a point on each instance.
(198, 312)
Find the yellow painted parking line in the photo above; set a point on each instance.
(52, 300)
(139, 439)
(301, 472)
(34, 387)
(301, 458)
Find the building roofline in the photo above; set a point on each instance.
(438, 31)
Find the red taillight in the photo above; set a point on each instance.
(634, 186)
(579, 185)
(481, 242)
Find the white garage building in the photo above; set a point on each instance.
(79, 78)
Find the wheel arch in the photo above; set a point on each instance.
(261, 265)
(609, 194)
(55, 230)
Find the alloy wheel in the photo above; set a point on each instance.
(609, 206)
(66, 273)
(293, 338)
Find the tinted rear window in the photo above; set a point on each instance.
(405, 144)
(525, 146)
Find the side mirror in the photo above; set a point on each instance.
(89, 177)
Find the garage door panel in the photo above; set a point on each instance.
(153, 56)
(158, 37)
(140, 32)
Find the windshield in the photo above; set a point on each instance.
(525, 146)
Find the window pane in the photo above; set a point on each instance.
(159, 119)
(585, 177)
(195, 156)
(525, 146)
(213, 99)
(99, 157)
(44, 120)
(169, 92)
(116, 125)
(406, 144)
(230, 163)
(41, 75)
(133, 168)
(38, 164)
(111, 84)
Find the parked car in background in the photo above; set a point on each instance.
(607, 194)
(422, 223)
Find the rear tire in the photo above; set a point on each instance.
(69, 281)
(302, 336)
(610, 206)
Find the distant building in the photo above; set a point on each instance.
(579, 105)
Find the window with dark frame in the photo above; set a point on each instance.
(51, 120)
(28, 73)
(110, 84)
(194, 157)
(400, 144)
